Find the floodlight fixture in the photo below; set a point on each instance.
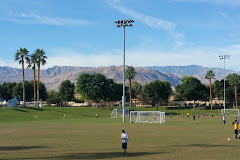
(124, 23)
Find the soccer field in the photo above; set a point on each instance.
(46, 134)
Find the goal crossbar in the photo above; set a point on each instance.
(230, 112)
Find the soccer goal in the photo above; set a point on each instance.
(118, 112)
(147, 117)
(230, 112)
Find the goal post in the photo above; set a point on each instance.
(230, 112)
(147, 117)
(118, 112)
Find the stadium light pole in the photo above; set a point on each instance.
(124, 23)
(224, 57)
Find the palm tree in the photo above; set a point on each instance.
(138, 91)
(20, 55)
(234, 80)
(130, 74)
(32, 61)
(210, 75)
(40, 60)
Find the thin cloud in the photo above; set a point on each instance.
(231, 3)
(33, 18)
(152, 22)
(224, 15)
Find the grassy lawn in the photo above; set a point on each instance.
(82, 136)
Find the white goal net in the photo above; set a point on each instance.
(118, 112)
(147, 117)
(230, 112)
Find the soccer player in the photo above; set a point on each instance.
(124, 137)
(193, 117)
(154, 117)
(96, 115)
(224, 120)
(236, 129)
(187, 115)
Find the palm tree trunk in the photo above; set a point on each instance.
(194, 105)
(235, 87)
(23, 82)
(34, 84)
(210, 92)
(130, 92)
(38, 86)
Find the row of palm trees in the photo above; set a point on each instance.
(37, 58)
(234, 80)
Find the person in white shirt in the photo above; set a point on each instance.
(224, 121)
(124, 137)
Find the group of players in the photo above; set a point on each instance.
(193, 115)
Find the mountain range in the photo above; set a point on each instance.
(53, 77)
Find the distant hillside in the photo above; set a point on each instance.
(193, 70)
(53, 77)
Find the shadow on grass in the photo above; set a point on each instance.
(20, 110)
(179, 108)
(203, 145)
(106, 155)
(74, 113)
(15, 148)
(103, 155)
(36, 109)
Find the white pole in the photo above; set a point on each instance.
(224, 84)
(123, 97)
(130, 118)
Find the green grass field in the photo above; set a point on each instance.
(82, 136)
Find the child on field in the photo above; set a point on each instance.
(224, 120)
(194, 117)
(236, 129)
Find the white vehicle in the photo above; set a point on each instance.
(147, 117)
(33, 104)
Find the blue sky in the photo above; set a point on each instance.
(83, 33)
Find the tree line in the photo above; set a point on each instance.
(97, 88)
(9, 90)
(192, 89)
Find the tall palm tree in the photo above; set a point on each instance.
(210, 75)
(20, 56)
(32, 61)
(40, 60)
(234, 80)
(130, 74)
